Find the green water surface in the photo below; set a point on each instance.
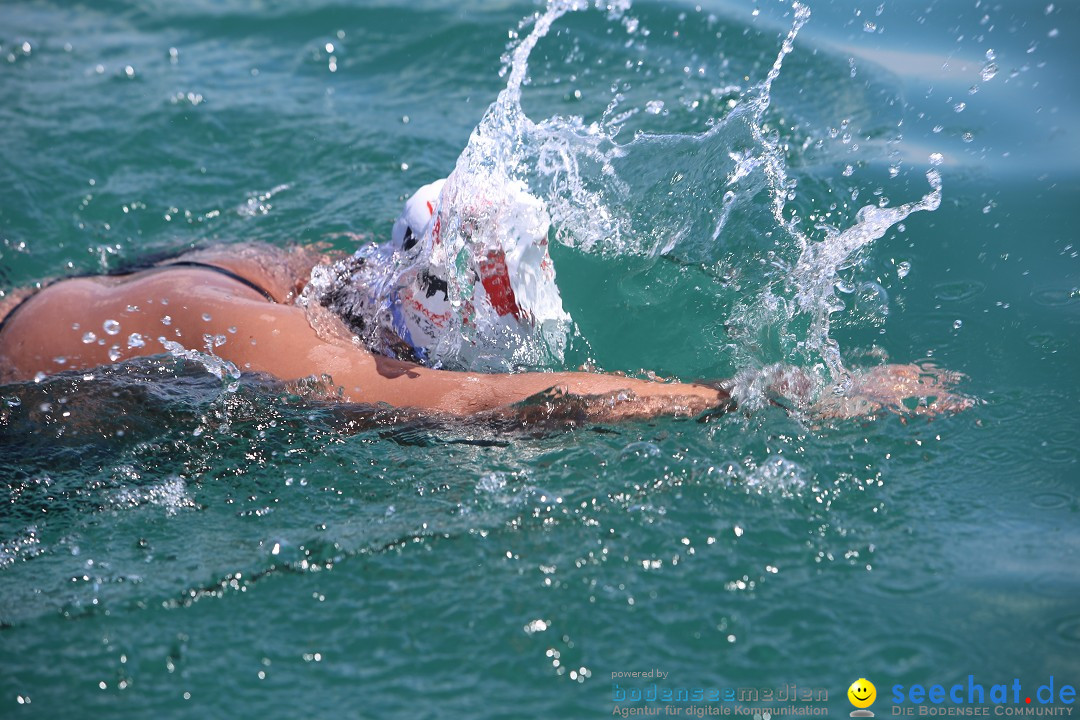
(169, 549)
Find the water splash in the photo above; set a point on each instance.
(217, 366)
(724, 192)
(814, 276)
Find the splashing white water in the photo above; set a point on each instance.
(673, 194)
(217, 366)
(815, 274)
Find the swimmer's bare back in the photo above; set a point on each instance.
(252, 307)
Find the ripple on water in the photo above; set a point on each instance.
(1039, 408)
(1062, 436)
(1067, 630)
(1007, 459)
(906, 582)
(1045, 406)
(1055, 297)
(1063, 455)
(1051, 584)
(958, 291)
(918, 655)
(1051, 500)
(1047, 341)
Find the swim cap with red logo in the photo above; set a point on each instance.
(479, 287)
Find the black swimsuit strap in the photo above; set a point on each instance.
(181, 263)
(227, 273)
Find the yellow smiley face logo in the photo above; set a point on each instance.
(862, 693)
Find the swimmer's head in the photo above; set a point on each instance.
(482, 284)
(416, 216)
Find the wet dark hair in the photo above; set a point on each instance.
(342, 299)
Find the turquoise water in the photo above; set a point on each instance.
(168, 547)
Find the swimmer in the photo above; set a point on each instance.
(258, 300)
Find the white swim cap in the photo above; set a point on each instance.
(419, 209)
(480, 288)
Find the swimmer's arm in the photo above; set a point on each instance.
(591, 396)
(289, 349)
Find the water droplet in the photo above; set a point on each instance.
(329, 47)
(167, 320)
(869, 27)
(114, 353)
(936, 158)
(88, 338)
(959, 107)
(967, 137)
(129, 71)
(957, 324)
(938, 128)
(135, 340)
(848, 171)
(206, 317)
(1053, 33)
(902, 269)
(111, 327)
(873, 303)
(654, 107)
(989, 71)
